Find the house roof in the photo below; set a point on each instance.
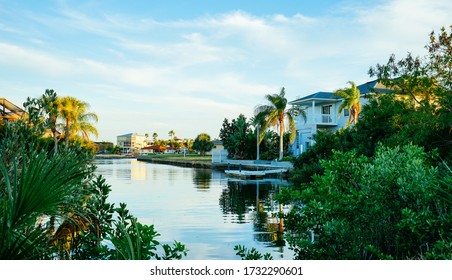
(321, 95)
(373, 87)
(154, 147)
(370, 87)
(128, 134)
(9, 110)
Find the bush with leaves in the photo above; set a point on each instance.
(251, 254)
(127, 238)
(394, 206)
(35, 187)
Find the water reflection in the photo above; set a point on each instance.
(201, 208)
(255, 198)
(202, 178)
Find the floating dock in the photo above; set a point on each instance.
(253, 175)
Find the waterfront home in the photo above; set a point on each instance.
(322, 113)
(10, 111)
(153, 149)
(131, 143)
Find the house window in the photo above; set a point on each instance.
(308, 145)
(346, 112)
(326, 110)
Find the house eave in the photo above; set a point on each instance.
(310, 100)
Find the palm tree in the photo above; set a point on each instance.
(351, 97)
(154, 137)
(76, 119)
(275, 114)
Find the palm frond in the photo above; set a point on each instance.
(42, 186)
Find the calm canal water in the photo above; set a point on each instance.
(201, 208)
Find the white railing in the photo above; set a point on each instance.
(326, 119)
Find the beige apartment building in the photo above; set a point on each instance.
(131, 143)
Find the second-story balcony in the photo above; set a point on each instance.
(321, 119)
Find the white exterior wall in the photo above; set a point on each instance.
(314, 119)
(132, 142)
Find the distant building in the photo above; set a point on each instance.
(131, 143)
(322, 113)
(218, 152)
(153, 149)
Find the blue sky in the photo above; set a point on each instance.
(156, 66)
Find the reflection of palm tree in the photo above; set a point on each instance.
(270, 223)
(240, 198)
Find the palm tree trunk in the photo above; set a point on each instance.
(67, 132)
(55, 143)
(54, 133)
(281, 140)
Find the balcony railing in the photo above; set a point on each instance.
(322, 119)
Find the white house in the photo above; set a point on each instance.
(321, 110)
(131, 142)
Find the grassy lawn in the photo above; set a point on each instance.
(180, 157)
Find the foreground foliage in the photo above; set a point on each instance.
(52, 206)
(393, 206)
(382, 189)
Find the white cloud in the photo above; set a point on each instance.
(41, 63)
(188, 75)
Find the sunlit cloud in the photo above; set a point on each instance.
(189, 74)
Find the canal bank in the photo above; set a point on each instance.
(177, 162)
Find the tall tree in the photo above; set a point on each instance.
(76, 118)
(427, 82)
(203, 143)
(155, 137)
(351, 101)
(43, 112)
(276, 114)
(238, 138)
